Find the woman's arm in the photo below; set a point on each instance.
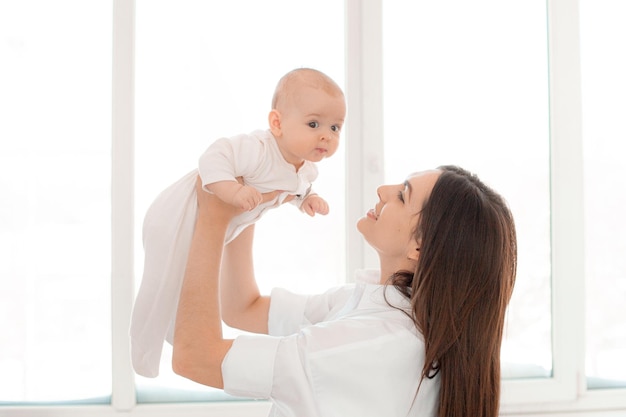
(243, 307)
(199, 347)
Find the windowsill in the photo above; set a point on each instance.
(104, 400)
(160, 395)
(594, 383)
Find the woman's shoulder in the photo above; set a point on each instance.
(367, 317)
(358, 355)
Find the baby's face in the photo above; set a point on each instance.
(311, 125)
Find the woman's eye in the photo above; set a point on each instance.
(314, 125)
(400, 196)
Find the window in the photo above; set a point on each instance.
(54, 217)
(603, 89)
(212, 74)
(455, 93)
(427, 83)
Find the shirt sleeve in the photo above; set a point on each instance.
(261, 366)
(290, 312)
(228, 158)
(250, 375)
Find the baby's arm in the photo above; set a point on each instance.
(236, 194)
(314, 204)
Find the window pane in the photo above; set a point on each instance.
(604, 134)
(55, 100)
(466, 84)
(211, 74)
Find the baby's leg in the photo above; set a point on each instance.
(167, 233)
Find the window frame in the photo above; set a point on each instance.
(566, 216)
(122, 208)
(565, 392)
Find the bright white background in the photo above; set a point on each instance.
(464, 82)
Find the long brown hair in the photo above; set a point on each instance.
(460, 289)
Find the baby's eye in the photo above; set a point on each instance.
(314, 125)
(335, 128)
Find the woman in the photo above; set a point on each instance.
(420, 337)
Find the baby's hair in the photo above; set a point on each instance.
(303, 76)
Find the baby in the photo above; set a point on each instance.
(308, 111)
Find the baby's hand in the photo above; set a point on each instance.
(315, 204)
(246, 198)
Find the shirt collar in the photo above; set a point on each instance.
(375, 293)
(367, 276)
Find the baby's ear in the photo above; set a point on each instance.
(274, 121)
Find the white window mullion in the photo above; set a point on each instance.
(364, 141)
(122, 197)
(566, 223)
(567, 202)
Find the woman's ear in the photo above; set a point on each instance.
(413, 250)
(274, 122)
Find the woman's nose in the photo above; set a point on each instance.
(381, 192)
(387, 192)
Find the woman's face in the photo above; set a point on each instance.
(388, 227)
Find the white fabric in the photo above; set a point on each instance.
(347, 353)
(170, 220)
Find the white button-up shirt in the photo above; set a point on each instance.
(343, 353)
